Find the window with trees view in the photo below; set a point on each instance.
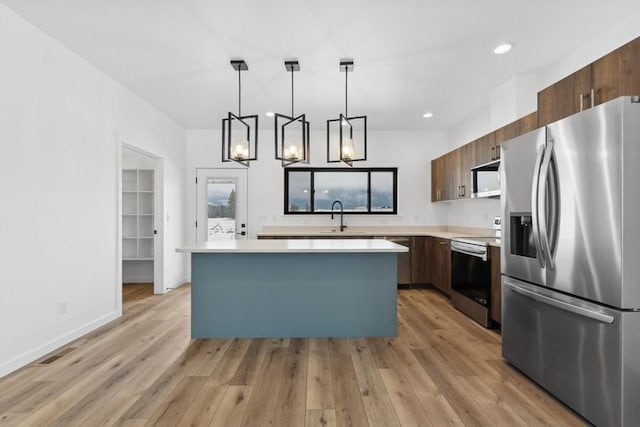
(361, 191)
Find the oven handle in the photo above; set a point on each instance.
(479, 254)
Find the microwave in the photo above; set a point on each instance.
(486, 180)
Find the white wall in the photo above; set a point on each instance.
(134, 160)
(61, 125)
(410, 151)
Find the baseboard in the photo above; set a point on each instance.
(137, 281)
(178, 283)
(32, 355)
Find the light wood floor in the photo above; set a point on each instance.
(144, 369)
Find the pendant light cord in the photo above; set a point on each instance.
(239, 93)
(292, 92)
(346, 93)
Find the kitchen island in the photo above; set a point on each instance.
(293, 288)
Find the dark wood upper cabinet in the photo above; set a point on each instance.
(617, 73)
(485, 149)
(447, 175)
(465, 160)
(566, 97)
(526, 123)
(438, 179)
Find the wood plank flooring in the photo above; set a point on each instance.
(144, 369)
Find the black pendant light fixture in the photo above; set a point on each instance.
(291, 132)
(347, 136)
(239, 133)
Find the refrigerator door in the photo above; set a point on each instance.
(586, 245)
(521, 255)
(586, 355)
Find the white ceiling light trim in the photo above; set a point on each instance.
(503, 48)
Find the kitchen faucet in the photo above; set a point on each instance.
(342, 226)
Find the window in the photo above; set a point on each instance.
(361, 191)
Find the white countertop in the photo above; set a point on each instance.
(377, 231)
(294, 246)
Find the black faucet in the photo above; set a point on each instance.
(342, 226)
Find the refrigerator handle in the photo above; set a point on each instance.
(543, 229)
(534, 206)
(581, 311)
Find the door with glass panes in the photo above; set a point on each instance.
(221, 204)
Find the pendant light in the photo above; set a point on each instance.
(239, 140)
(291, 132)
(347, 136)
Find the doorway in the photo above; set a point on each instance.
(141, 232)
(221, 204)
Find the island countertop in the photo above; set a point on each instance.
(294, 246)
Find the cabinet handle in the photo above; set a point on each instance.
(593, 97)
(464, 191)
(493, 153)
(581, 101)
(497, 152)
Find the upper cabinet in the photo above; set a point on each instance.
(451, 176)
(438, 191)
(566, 97)
(486, 149)
(615, 74)
(465, 159)
(527, 123)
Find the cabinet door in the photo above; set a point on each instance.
(429, 259)
(526, 124)
(443, 265)
(562, 99)
(496, 287)
(504, 134)
(467, 154)
(437, 178)
(485, 149)
(617, 73)
(452, 175)
(418, 260)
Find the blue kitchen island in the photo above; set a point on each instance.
(294, 288)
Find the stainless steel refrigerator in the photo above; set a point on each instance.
(571, 260)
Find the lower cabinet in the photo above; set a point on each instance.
(438, 263)
(419, 263)
(496, 285)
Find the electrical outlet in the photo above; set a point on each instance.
(62, 307)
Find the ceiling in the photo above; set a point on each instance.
(411, 56)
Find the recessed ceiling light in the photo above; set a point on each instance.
(427, 115)
(269, 114)
(503, 48)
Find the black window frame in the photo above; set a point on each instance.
(312, 171)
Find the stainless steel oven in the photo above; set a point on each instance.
(471, 277)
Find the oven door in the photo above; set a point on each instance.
(471, 285)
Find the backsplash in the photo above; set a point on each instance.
(473, 212)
